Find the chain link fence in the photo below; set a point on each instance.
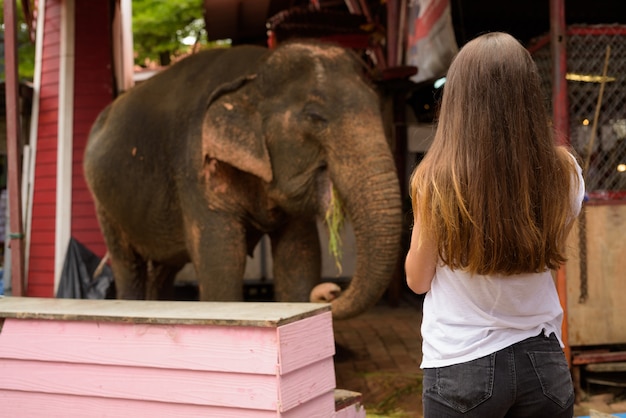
(603, 152)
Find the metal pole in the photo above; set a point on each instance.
(16, 235)
(558, 42)
(392, 32)
(560, 109)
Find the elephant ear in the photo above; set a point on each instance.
(232, 129)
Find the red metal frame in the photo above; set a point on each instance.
(560, 104)
(16, 234)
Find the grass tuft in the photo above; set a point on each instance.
(334, 219)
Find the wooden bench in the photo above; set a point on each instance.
(82, 358)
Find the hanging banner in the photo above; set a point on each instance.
(431, 42)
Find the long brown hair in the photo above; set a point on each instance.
(494, 191)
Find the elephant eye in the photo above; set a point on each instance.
(313, 113)
(316, 118)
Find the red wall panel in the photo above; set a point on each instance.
(93, 90)
(41, 259)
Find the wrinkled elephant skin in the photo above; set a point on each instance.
(199, 162)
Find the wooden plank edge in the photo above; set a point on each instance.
(256, 314)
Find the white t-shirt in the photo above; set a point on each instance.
(466, 317)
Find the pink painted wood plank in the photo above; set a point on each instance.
(190, 347)
(183, 386)
(306, 383)
(16, 404)
(236, 349)
(144, 384)
(321, 407)
(305, 342)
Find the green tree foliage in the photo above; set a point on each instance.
(25, 48)
(162, 28)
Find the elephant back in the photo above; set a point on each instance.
(159, 115)
(143, 139)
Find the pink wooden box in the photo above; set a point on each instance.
(109, 358)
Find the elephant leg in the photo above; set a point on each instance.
(219, 257)
(160, 285)
(297, 260)
(129, 268)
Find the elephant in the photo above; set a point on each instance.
(227, 145)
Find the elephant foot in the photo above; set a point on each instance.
(325, 292)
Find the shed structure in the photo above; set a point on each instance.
(80, 65)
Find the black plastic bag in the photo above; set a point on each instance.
(77, 281)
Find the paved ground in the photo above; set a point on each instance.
(379, 352)
(378, 355)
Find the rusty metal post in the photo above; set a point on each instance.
(558, 43)
(560, 111)
(16, 234)
(392, 32)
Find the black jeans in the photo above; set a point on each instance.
(529, 379)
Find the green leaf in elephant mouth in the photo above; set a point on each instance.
(334, 218)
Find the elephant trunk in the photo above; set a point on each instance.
(373, 205)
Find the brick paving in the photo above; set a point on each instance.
(378, 355)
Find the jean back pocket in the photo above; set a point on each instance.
(554, 375)
(465, 386)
